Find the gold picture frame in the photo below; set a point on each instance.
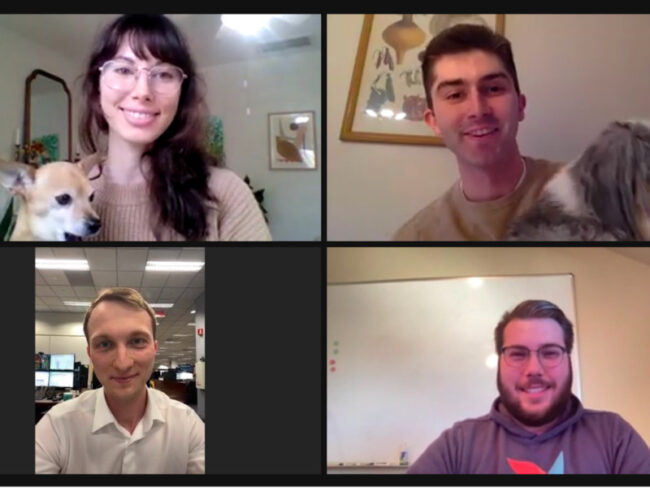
(390, 74)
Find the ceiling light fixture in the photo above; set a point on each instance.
(77, 304)
(247, 24)
(174, 266)
(161, 305)
(63, 264)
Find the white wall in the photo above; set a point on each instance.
(45, 118)
(20, 56)
(61, 333)
(578, 71)
(281, 82)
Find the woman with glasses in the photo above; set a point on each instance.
(144, 126)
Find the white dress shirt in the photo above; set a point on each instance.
(82, 436)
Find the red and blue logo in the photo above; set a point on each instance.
(528, 467)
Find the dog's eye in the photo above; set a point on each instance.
(91, 197)
(63, 199)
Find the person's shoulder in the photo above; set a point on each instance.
(604, 418)
(416, 227)
(224, 181)
(165, 402)
(471, 424)
(83, 403)
(543, 167)
(609, 424)
(467, 428)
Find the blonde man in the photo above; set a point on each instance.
(123, 427)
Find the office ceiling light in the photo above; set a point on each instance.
(172, 266)
(193, 311)
(63, 264)
(161, 305)
(247, 24)
(191, 324)
(77, 304)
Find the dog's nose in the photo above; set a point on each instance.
(93, 225)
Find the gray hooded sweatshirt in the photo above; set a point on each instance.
(583, 442)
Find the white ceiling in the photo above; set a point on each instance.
(210, 43)
(125, 266)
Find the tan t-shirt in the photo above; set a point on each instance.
(454, 218)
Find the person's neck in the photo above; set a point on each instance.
(124, 164)
(482, 184)
(128, 412)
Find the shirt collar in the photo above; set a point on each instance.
(103, 415)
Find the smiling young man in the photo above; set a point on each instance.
(123, 427)
(475, 105)
(536, 425)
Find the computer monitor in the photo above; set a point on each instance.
(184, 375)
(42, 378)
(61, 362)
(61, 379)
(42, 361)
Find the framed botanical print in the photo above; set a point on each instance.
(386, 101)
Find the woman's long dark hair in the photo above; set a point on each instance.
(180, 162)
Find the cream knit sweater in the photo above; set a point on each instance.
(127, 215)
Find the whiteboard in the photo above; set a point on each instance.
(407, 359)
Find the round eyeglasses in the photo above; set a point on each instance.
(164, 79)
(548, 356)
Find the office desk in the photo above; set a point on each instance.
(42, 406)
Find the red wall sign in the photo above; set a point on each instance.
(199, 332)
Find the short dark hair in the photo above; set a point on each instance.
(125, 296)
(535, 309)
(462, 38)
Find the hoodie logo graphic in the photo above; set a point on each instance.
(528, 467)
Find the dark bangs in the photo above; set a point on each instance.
(153, 33)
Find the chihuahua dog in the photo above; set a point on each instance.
(54, 201)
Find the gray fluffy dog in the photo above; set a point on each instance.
(604, 195)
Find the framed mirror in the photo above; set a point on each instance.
(48, 119)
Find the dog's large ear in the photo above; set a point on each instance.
(16, 177)
(615, 171)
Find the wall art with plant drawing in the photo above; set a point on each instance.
(386, 101)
